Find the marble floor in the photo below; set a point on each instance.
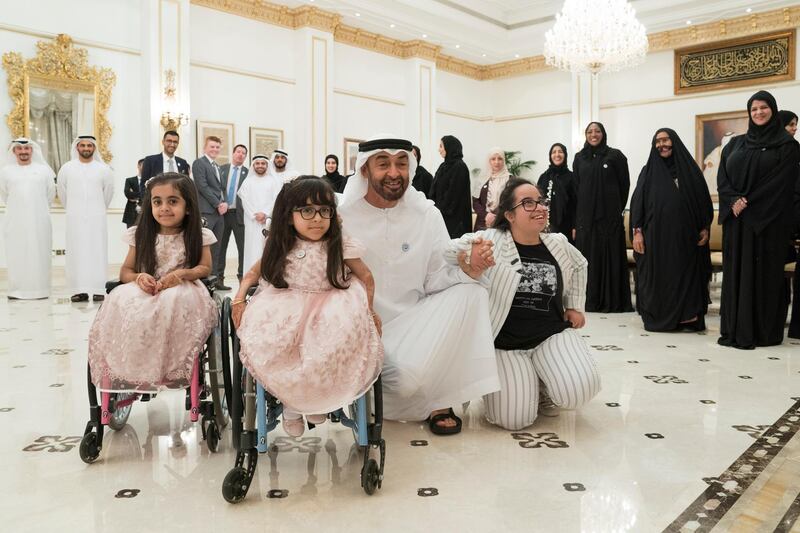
(685, 436)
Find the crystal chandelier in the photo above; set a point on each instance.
(595, 36)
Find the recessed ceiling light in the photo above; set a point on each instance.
(424, 35)
(516, 55)
(358, 14)
(391, 25)
(458, 46)
(688, 22)
(483, 55)
(749, 9)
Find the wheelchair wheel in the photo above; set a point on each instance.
(212, 436)
(88, 450)
(120, 415)
(235, 485)
(370, 476)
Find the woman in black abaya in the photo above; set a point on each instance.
(671, 213)
(557, 183)
(332, 175)
(603, 181)
(450, 190)
(789, 122)
(756, 184)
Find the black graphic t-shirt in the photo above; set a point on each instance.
(537, 311)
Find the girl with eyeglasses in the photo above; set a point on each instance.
(537, 291)
(309, 335)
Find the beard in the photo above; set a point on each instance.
(382, 188)
(86, 154)
(280, 167)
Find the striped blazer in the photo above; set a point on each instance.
(503, 278)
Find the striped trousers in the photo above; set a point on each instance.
(562, 362)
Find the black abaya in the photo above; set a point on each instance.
(450, 190)
(760, 166)
(674, 272)
(602, 180)
(557, 183)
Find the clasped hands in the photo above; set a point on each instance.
(739, 206)
(480, 258)
(152, 286)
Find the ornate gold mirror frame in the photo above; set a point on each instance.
(59, 65)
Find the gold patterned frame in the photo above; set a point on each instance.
(58, 64)
(730, 47)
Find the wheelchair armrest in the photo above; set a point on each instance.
(252, 290)
(113, 284)
(210, 282)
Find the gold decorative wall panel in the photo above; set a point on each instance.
(746, 61)
(308, 16)
(58, 64)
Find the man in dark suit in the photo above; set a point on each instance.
(232, 176)
(211, 198)
(166, 161)
(133, 196)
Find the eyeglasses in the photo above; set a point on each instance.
(308, 212)
(529, 204)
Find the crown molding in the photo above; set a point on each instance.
(314, 17)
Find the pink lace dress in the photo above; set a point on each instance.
(143, 343)
(313, 347)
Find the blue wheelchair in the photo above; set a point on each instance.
(255, 412)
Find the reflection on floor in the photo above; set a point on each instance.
(685, 436)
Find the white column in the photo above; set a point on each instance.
(585, 106)
(165, 46)
(314, 89)
(420, 127)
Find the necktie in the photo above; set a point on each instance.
(232, 186)
(216, 169)
(171, 164)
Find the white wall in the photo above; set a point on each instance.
(110, 31)
(250, 74)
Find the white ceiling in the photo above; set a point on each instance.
(491, 31)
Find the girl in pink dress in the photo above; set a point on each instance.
(148, 332)
(309, 335)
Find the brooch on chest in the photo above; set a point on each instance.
(300, 254)
(405, 247)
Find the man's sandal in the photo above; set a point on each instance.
(436, 429)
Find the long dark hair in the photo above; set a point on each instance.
(506, 202)
(283, 236)
(148, 228)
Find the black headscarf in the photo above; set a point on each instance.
(453, 151)
(601, 148)
(786, 117)
(771, 134)
(657, 179)
(336, 180)
(557, 181)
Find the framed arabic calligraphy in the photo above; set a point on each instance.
(753, 60)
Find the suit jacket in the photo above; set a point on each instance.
(153, 165)
(209, 188)
(132, 194)
(224, 170)
(504, 277)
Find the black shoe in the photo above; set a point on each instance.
(82, 297)
(222, 287)
(98, 297)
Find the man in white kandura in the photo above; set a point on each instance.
(86, 187)
(280, 167)
(27, 188)
(436, 327)
(258, 195)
